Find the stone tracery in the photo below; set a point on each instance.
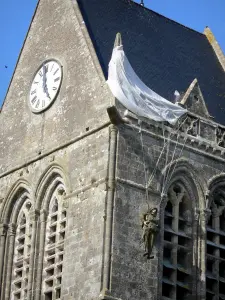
(54, 247)
(177, 252)
(21, 257)
(215, 263)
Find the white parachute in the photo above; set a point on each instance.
(127, 87)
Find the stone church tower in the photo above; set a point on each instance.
(82, 181)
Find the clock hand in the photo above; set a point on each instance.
(44, 85)
(44, 78)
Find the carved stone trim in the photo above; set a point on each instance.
(34, 215)
(43, 215)
(193, 130)
(196, 214)
(12, 229)
(3, 229)
(205, 214)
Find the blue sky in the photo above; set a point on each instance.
(15, 17)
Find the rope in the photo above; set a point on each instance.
(172, 159)
(175, 164)
(143, 157)
(167, 157)
(165, 145)
(155, 168)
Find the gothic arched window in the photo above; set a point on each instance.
(54, 248)
(177, 241)
(21, 257)
(215, 256)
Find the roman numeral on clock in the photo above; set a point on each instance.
(57, 79)
(33, 92)
(37, 104)
(52, 67)
(34, 100)
(56, 71)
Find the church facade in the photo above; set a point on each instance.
(94, 203)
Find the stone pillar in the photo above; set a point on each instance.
(34, 219)
(40, 251)
(204, 216)
(10, 249)
(3, 231)
(109, 211)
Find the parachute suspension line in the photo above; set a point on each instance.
(175, 164)
(172, 159)
(164, 146)
(165, 180)
(167, 155)
(155, 168)
(143, 157)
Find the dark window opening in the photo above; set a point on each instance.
(168, 273)
(222, 253)
(209, 266)
(183, 241)
(222, 240)
(182, 293)
(167, 236)
(210, 249)
(167, 290)
(182, 277)
(209, 296)
(222, 269)
(221, 288)
(182, 225)
(48, 296)
(211, 284)
(169, 207)
(168, 221)
(210, 236)
(167, 254)
(58, 293)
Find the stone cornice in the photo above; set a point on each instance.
(202, 135)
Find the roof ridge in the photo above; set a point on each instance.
(132, 2)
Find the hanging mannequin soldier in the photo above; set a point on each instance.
(150, 228)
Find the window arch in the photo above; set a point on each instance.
(21, 256)
(177, 244)
(17, 243)
(54, 246)
(215, 250)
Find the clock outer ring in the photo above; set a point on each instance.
(56, 95)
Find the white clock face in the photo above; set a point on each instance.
(45, 86)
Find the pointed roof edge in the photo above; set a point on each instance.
(188, 92)
(18, 59)
(86, 36)
(215, 45)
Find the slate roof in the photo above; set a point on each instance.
(166, 55)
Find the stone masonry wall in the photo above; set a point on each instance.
(133, 276)
(84, 165)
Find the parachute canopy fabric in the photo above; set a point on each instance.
(127, 87)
